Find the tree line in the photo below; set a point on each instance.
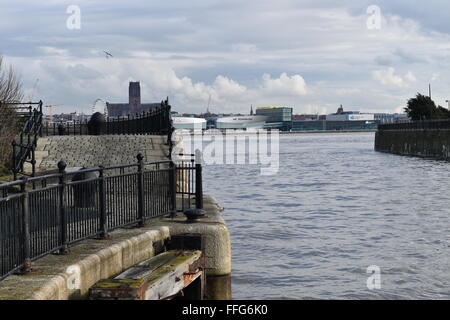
(422, 107)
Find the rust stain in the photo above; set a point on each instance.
(189, 277)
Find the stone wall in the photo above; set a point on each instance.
(107, 150)
(423, 143)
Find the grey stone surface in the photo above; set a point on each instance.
(106, 150)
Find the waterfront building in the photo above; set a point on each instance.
(188, 123)
(305, 117)
(211, 122)
(383, 118)
(277, 117)
(275, 114)
(354, 116)
(342, 115)
(324, 125)
(134, 105)
(241, 122)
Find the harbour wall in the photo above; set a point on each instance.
(428, 143)
(104, 150)
(69, 277)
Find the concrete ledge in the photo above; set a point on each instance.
(63, 277)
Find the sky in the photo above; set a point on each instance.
(312, 55)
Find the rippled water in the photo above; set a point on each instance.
(336, 207)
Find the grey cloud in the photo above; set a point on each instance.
(325, 42)
(407, 57)
(383, 60)
(82, 72)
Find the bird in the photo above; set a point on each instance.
(107, 54)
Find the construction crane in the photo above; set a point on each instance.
(50, 111)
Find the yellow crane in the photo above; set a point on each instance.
(50, 111)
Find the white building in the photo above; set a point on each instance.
(188, 123)
(351, 117)
(241, 122)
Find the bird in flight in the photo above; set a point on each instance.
(108, 55)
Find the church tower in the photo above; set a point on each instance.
(134, 96)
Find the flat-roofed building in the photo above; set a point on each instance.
(275, 114)
(351, 117)
(277, 117)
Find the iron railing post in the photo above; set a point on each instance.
(33, 162)
(26, 238)
(170, 129)
(102, 198)
(40, 118)
(198, 180)
(62, 211)
(141, 217)
(14, 162)
(173, 188)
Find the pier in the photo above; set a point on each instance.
(427, 139)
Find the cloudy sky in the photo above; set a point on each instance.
(309, 54)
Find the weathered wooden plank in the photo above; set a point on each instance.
(144, 268)
(161, 277)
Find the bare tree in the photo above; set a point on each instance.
(10, 91)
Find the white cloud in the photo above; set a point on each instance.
(435, 77)
(53, 51)
(284, 85)
(410, 77)
(226, 87)
(389, 78)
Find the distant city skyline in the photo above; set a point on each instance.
(309, 55)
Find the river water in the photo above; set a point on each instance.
(335, 208)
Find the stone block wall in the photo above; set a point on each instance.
(106, 150)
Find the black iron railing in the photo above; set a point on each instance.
(417, 125)
(156, 121)
(24, 145)
(46, 214)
